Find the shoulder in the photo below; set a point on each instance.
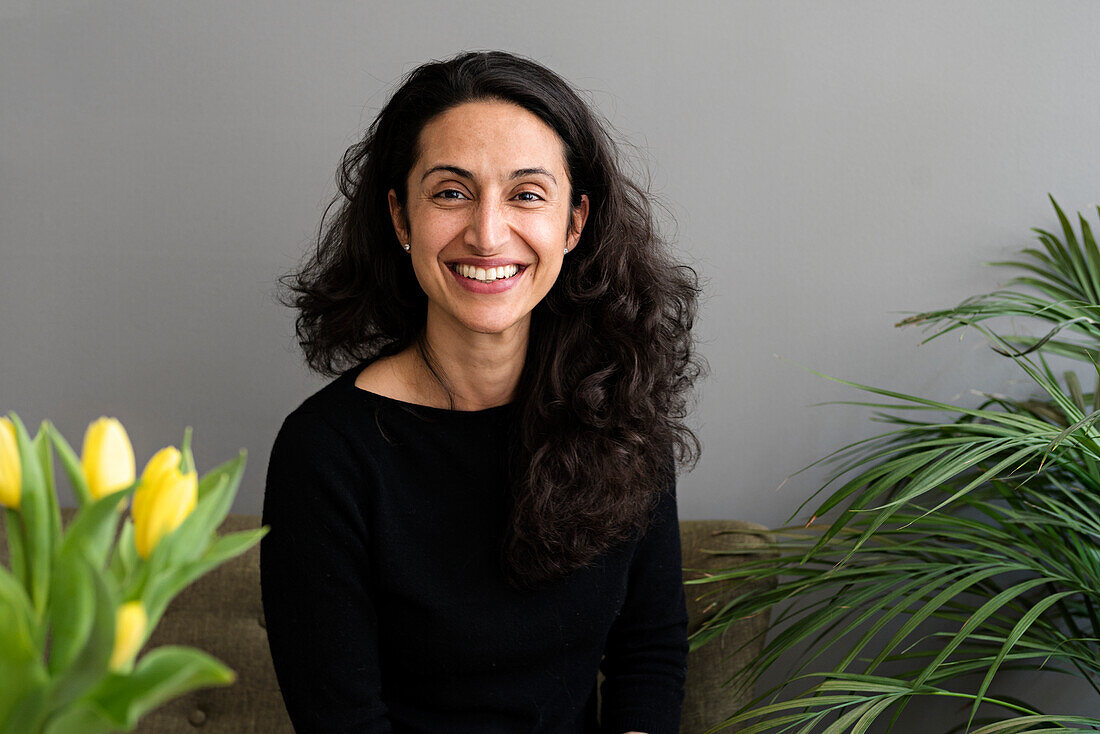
(334, 404)
(308, 444)
(320, 424)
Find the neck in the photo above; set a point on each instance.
(482, 370)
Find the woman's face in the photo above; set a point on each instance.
(487, 216)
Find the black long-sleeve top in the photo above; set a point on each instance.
(385, 606)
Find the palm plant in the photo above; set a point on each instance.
(962, 543)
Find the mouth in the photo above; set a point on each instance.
(487, 275)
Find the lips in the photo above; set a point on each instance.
(494, 279)
(485, 262)
(486, 275)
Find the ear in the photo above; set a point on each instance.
(580, 216)
(397, 214)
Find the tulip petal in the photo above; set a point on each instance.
(11, 469)
(165, 460)
(164, 507)
(130, 624)
(162, 467)
(107, 457)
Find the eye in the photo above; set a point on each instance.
(532, 194)
(445, 194)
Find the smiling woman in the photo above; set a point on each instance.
(499, 206)
(479, 512)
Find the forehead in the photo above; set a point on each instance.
(490, 136)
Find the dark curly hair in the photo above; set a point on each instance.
(610, 364)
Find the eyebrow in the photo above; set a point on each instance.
(518, 173)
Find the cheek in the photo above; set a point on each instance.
(547, 232)
(418, 273)
(433, 228)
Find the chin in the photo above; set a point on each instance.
(488, 328)
(491, 326)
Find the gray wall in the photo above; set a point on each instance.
(829, 165)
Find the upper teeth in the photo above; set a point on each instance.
(486, 274)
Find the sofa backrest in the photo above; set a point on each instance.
(712, 691)
(222, 614)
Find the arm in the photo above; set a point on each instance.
(321, 623)
(646, 655)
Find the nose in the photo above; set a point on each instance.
(488, 230)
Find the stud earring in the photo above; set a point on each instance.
(406, 246)
(566, 250)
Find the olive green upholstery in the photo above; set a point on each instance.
(710, 693)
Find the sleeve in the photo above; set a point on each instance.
(645, 660)
(320, 618)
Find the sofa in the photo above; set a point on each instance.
(221, 613)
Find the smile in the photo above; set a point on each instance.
(486, 275)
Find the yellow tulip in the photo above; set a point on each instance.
(164, 499)
(162, 464)
(11, 470)
(107, 457)
(130, 624)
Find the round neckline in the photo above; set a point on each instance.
(350, 376)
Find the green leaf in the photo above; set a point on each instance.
(1021, 626)
(21, 671)
(29, 711)
(1025, 723)
(223, 549)
(82, 717)
(15, 597)
(232, 545)
(35, 509)
(71, 612)
(1075, 391)
(1088, 279)
(16, 535)
(995, 604)
(1092, 255)
(73, 468)
(90, 664)
(93, 527)
(125, 560)
(231, 472)
(187, 459)
(160, 675)
(45, 459)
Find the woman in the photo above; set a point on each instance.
(479, 513)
